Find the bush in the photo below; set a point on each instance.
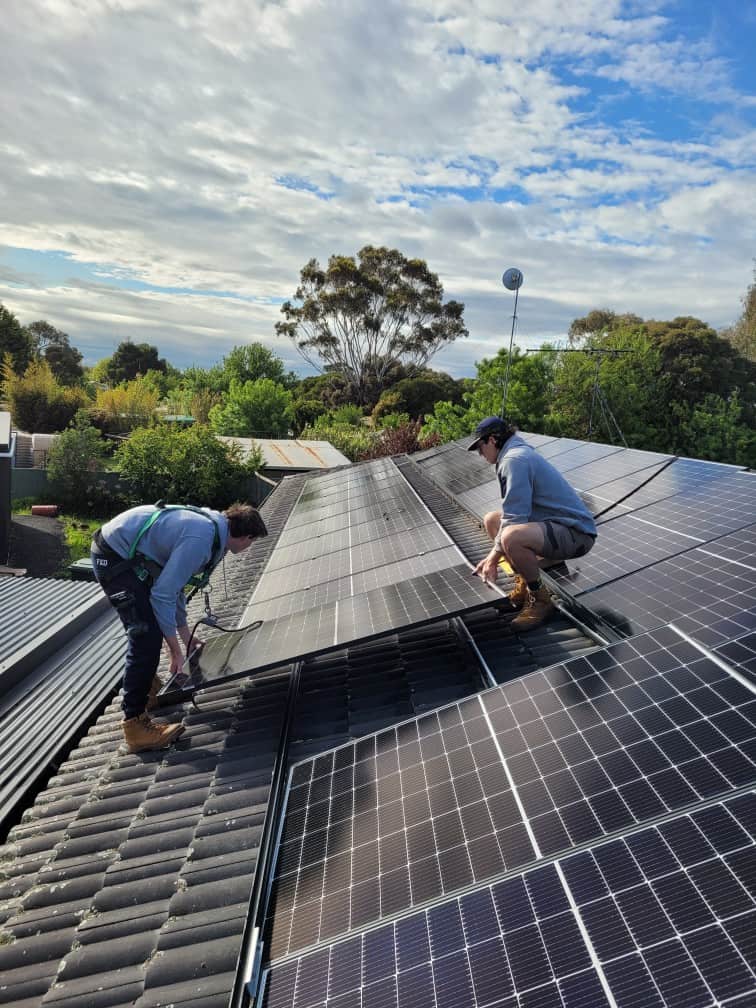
(180, 465)
(74, 462)
(400, 441)
(125, 407)
(352, 442)
(38, 403)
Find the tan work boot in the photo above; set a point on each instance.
(519, 594)
(537, 609)
(155, 686)
(143, 733)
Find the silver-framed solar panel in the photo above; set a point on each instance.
(551, 449)
(587, 452)
(561, 758)
(536, 440)
(619, 465)
(710, 598)
(679, 477)
(623, 545)
(326, 627)
(740, 652)
(661, 918)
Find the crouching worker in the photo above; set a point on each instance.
(143, 559)
(541, 519)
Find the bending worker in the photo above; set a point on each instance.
(143, 559)
(541, 519)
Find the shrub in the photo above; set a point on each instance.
(184, 465)
(74, 461)
(400, 441)
(38, 403)
(126, 407)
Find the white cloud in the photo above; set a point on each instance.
(161, 142)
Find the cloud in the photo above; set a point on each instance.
(216, 146)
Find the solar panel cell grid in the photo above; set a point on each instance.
(709, 511)
(624, 545)
(659, 918)
(620, 465)
(602, 745)
(710, 599)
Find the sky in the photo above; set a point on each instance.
(168, 166)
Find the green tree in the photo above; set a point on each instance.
(363, 315)
(259, 408)
(743, 334)
(14, 340)
(253, 361)
(419, 394)
(449, 422)
(132, 359)
(184, 464)
(54, 346)
(38, 403)
(74, 465)
(197, 379)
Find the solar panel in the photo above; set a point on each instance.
(663, 917)
(740, 547)
(618, 466)
(557, 759)
(741, 654)
(624, 545)
(536, 440)
(680, 476)
(582, 455)
(711, 599)
(317, 630)
(707, 512)
(553, 448)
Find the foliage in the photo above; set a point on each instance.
(55, 347)
(393, 420)
(197, 379)
(349, 440)
(400, 440)
(38, 403)
(132, 359)
(184, 464)
(387, 404)
(331, 388)
(75, 460)
(201, 402)
(122, 409)
(361, 316)
(259, 408)
(419, 394)
(306, 411)
(347, 415)
(14, 340)
(713, 430)
(448, 422)
(743, 334)
(253, 361)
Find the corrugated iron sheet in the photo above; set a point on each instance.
(293, 454)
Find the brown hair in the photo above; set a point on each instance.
(244, 520)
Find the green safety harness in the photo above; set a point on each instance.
(144, 568)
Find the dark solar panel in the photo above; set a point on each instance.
(582, 455)
(536, 440)
(560, 758)
(711, 599)
(741, 654)
(417, 600)
(482, 499)
(623, 545)
(709, 511)
(553, 448)
(616, 467)
(664, 917)
(740, 547)
(681, 476)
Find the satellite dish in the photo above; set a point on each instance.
(512, 279)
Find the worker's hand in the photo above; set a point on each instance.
(176, 653)
(488, 568)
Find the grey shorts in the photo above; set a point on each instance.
(561, 542)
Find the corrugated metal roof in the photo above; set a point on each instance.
(293, 454)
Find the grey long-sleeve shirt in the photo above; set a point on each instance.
(532, 490)
(181, 542)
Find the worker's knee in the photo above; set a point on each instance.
(528, 536)
(491, 522)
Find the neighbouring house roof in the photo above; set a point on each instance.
(128, 881)
(287, 453)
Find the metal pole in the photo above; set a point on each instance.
(512, 280)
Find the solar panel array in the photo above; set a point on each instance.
(665, 917)
(434, 864)
(360, 556)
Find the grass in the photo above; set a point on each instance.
(78, 531)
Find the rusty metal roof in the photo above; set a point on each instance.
(288, 453)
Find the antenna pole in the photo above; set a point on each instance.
(512, 280)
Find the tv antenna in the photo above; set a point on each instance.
(599, 401)
(512, 280)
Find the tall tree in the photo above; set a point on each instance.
(54, 346)
(261, 408)
(132, 359)
(362, 316)
(14, 340)
(743, 334)
(253, 361)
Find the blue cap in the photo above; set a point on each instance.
(491, 426)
